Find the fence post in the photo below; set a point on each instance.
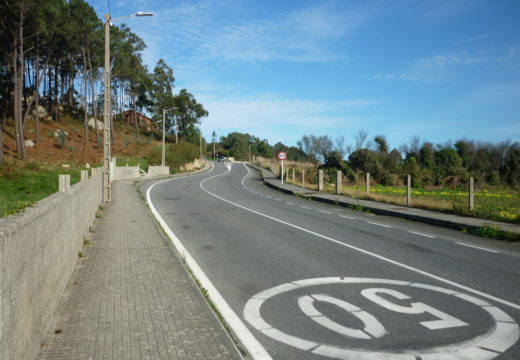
(471, 194)
(408, 190)
(320, 180)
(303, 178)
(368, 184)
(84, 175)
(294, 176)
(339, 185)
(64, 183)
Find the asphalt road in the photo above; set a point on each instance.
(317, 281)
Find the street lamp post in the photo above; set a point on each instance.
(107, 110)
(163, 159)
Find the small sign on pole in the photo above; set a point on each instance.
(282, 156)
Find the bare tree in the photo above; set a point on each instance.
(360, 137)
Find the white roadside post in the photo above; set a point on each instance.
(282, 156)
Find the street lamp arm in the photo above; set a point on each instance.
(139, 13)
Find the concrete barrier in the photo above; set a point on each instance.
(126, 173)
(158, 171)
(38, 252)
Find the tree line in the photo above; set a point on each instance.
(52, 57)
(446, 164)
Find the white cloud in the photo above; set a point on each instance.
(198, 31)
(278, 119)
(440, 68)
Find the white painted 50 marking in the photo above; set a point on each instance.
(504, 334)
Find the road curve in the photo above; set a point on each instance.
(301, 280)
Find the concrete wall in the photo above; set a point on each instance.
(38, 252)
(126, 173)
(120, 173)
(158, 171)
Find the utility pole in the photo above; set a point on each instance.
(106, 116)
(214, 138)
(107, 110)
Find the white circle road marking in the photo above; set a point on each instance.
(500, 338)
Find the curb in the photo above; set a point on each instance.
(457, 222)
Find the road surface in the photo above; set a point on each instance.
(297, 279)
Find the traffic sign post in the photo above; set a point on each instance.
(282, 156)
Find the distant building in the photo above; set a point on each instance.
(142, 120)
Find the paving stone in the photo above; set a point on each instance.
(130, 297)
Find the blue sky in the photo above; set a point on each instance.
(439, 70)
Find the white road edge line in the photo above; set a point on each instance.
(477, 247)
(421, 234)
(378, 224)
(240, 330)
(366, 252)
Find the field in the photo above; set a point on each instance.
(491, 203)
(23, 186)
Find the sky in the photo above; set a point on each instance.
(441, 70)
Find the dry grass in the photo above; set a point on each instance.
(192, 166)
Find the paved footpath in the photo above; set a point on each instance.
(130, 296)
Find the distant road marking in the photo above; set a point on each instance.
(363, 251)
(289, 203)
(267, 196)
(278, 199)
(477, 247)
(305, 207)
(324, 212)
(346, 217)
(421, 234)
(378, 224)
(254, 347)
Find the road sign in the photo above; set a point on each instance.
(282, 156)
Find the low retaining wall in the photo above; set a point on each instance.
(120, 173)
(38, 252)
(126, 173)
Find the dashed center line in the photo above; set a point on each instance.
(421, 234)
(305, 207)
(378, 224)
(278, 199)
(289, 203)
(324, 212)
(477, 247)
(346, 217)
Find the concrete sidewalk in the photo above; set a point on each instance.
(130, 297)
(410, 213)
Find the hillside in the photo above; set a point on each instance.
(23, 183)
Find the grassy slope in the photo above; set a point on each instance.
(23, 183)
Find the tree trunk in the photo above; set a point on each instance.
(37, 93)
(135, 117)
(85, 94)
(93, 90)
(1, 141)
(56, 95)
(18, 88)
